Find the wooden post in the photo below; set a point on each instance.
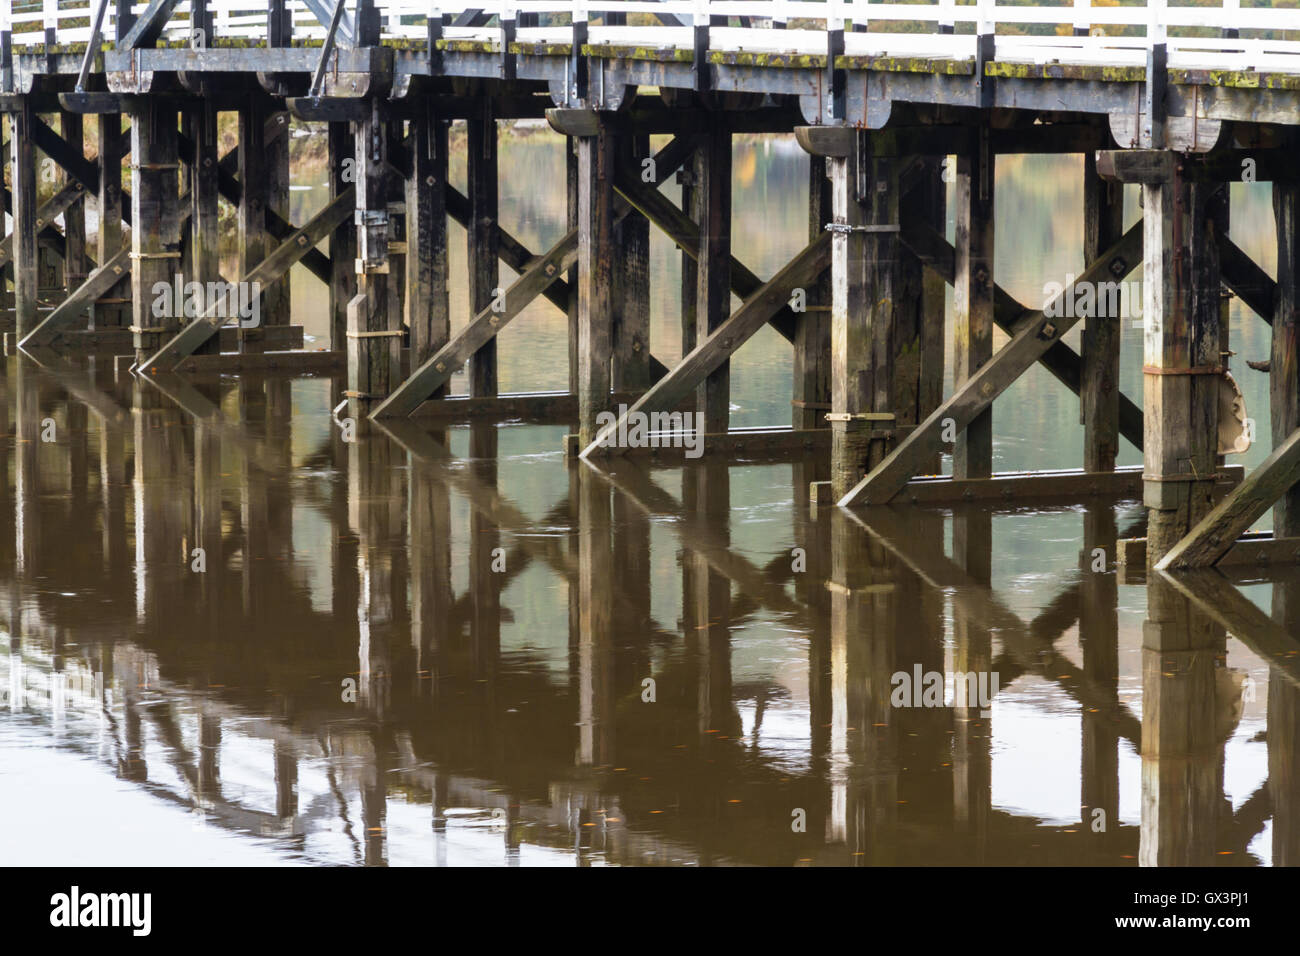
(75, 264)
(851, 310)
(374, 341)
(631, 332)
(973, 297)
(571, 219)
(888, 364)
(595, 276)
(253, 172)
(427, 307)
(1284, 363)
(110, 311)
(1182, 356)
(811, 373)
(276, 308)
(713, 269)
(155, 235)
(205, 256)
(482, 241)
(22, 169)
(1103, 224)
(343, 240)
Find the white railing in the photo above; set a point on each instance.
(1068, 31)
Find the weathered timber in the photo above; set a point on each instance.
(810, 372)
(631, 334)
(267, 270)
(1033, 334)
(434, 373)
(1214, 534)
(481, 239)
(1061, 485)
(343, 240)
(713, 265)
(427, 303)
(155, 250)
(743, 323)
(22, 168)
(1063, 362)
(596, 163)
(1284, 359)
(108, 195)
(97, 284)
(972, 455)
(51, 209)
(254, 174)
(1103, 224)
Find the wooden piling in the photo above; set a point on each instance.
(481, 238)
(110, 310)
(374, 333)
(75, 263)
(427, 306)
(1103, 224)
(713, 268)
(1182, 356)
(155, 237)
(276, 298)
(1284, 362)
(343, 240)
(23, 172)
(596, 252)
(630, 371)
(973, 297)
(811, 373)
(254, 242)
(205, 258)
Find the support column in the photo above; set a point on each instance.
(482, 244)
(1182, 355)
(374, 334)
(155, 237)
(253, 172)
(812, 341)
(713, 268)
(276, 309)
(74, 217)
(973, 298)
(1284, 363)
(1103, 226)
(595, 277)
(343, 240)
(631, 332)
(22, 169)
(110, 310)
(427, 307)
(571, 220)
(205, 257)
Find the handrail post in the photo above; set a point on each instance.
(985, 51)
(1153, 127)
(834, 49)
(699, 59)
(578, 62)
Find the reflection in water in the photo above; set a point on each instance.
(448, 645)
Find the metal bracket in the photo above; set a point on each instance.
(844, 228)
(860, 416)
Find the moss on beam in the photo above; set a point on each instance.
(607, 51)
(787, 61)
(541, 49)
(469, 46)
(1065, 71)
(944, 66)
(1239, 79)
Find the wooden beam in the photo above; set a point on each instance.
(1063, 362)
(434, 373)
(596, 164)
(1246, 279)
(155, 242)
(1010, 488)
(51, 209)
(973, 300)
(1284, 360)
(267, 270)
(22, 168)
(97, 284)
(1033, 334)
(343, 241)
(743, 323)
(1103, 224)
(713, 266)
(427, 304)
(481, 239)
(1211, 538)
(149, 25)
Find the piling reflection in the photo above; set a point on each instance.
(425, 646)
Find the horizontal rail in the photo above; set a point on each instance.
(1225, 35)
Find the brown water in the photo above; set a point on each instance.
(360, 676)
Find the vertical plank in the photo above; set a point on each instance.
(74, 218)
(276, 299)
(1103, 224)
(713, 268)
(373, 334)
(254, 242)
(631, 333)
(106, 312)
(888, 361)
(343, 241)
(851, 352)
(595, 280)
(427, 305)
(811, 373)
(205, 253)
(1284, 364)
(973, 298)
(481, 254)
(155, 238)
(22, 169)
(1181, 348)
(571, 221)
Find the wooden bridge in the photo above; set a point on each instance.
(1177, 99)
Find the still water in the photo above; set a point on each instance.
(448, 645)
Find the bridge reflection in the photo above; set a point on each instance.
(421, 647)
